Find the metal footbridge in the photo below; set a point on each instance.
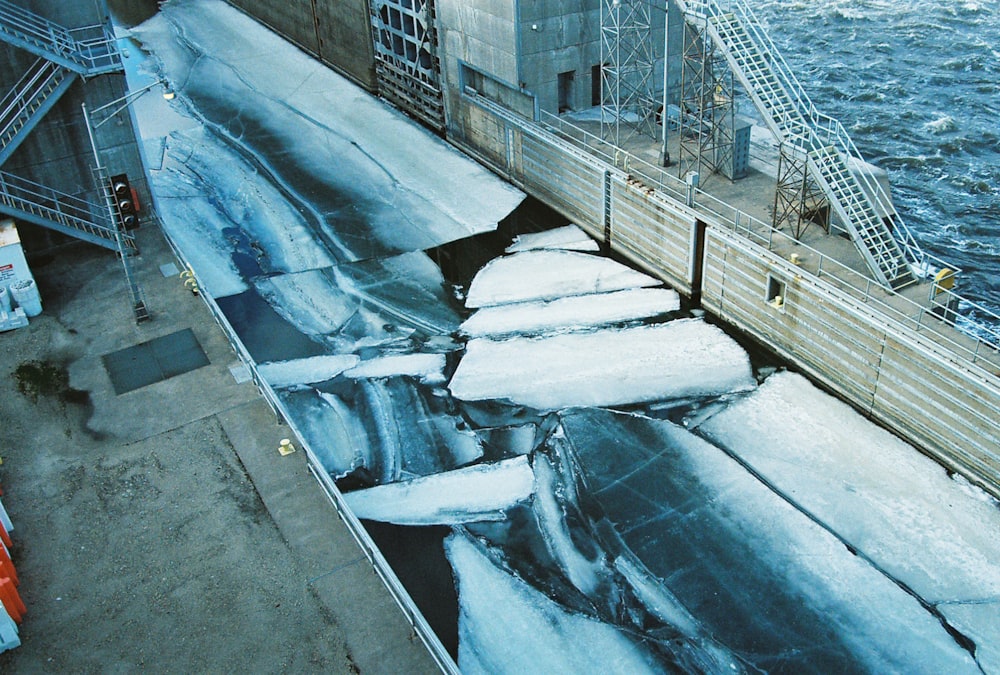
(64, 56)
(816, 141)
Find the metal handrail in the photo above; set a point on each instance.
(34, 86)
(92, 47)
(834, 272)
(821, 130)
(58, 207)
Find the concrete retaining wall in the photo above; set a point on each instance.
(895, 375)
(909, 383)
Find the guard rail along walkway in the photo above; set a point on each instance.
(29, 100)
(807, 135)
(87, 51)
(71, 215)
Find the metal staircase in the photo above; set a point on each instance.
(87, 51)
(41, 205)
(807, 135)
(28, 101)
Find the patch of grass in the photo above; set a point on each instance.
(42, 378)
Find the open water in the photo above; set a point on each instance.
(917, 85)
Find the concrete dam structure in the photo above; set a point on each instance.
(521, 419)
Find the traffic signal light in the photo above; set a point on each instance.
(126, 205)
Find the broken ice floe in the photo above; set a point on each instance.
(568, 237)
(609, 367)
(480, 492)
(544, 275)
(412, 196)
(506, 626)
(571, 312)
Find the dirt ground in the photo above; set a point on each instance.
(141, 539)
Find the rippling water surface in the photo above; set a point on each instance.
(917, 85)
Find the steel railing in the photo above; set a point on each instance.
(89, 50)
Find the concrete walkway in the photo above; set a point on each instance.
(160, 529)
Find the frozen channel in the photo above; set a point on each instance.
(620, 487)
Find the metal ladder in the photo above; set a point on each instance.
(71, 215)
(28, 101)
(87, 51)
(820, 140)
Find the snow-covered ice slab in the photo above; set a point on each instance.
(568, 237)
(506, 626)
(338, 151)
(306, 371)
(573, 312)
(545, 275)
(755, 573)
(428, 368)
(480, 492)
(682, 358)
(938, 535)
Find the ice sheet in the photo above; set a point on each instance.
(568, 237)
(682, 358)
(573, 312)
(937, 535)
(479, 492)
(294, 112)
(505, 626)
(763, 579)
(305, 371)
(332, 431)
(545, 275)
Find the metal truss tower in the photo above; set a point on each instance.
(708, 115)
(628, 106)
(798, 199)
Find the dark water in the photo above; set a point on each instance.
(916, 83)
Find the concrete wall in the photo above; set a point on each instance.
(57, 153)
(899, 377)
(337, 32)
(908, 382)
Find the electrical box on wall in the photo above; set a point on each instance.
(19, 298)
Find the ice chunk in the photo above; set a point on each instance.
(682, 358)
(544, 275)
(571, 312)
(979, 620)
(763, 579)
(312, 301)
(583, 572)
(428, 368)
(886, 499)
(568, 237)
(413, 434)
(332, 431)
(202, 172)
(305, 371)
(480, 492)
(505, 626)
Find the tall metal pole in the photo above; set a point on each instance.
(138, 301)
(665, 117)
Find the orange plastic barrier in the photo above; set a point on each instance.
(4, 537)
(7, 567)
(12, 600)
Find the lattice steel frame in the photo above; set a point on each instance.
(406, 57)
(798, 199)
(628, 106)
(708, 116)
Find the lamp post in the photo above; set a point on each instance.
(103, 185)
